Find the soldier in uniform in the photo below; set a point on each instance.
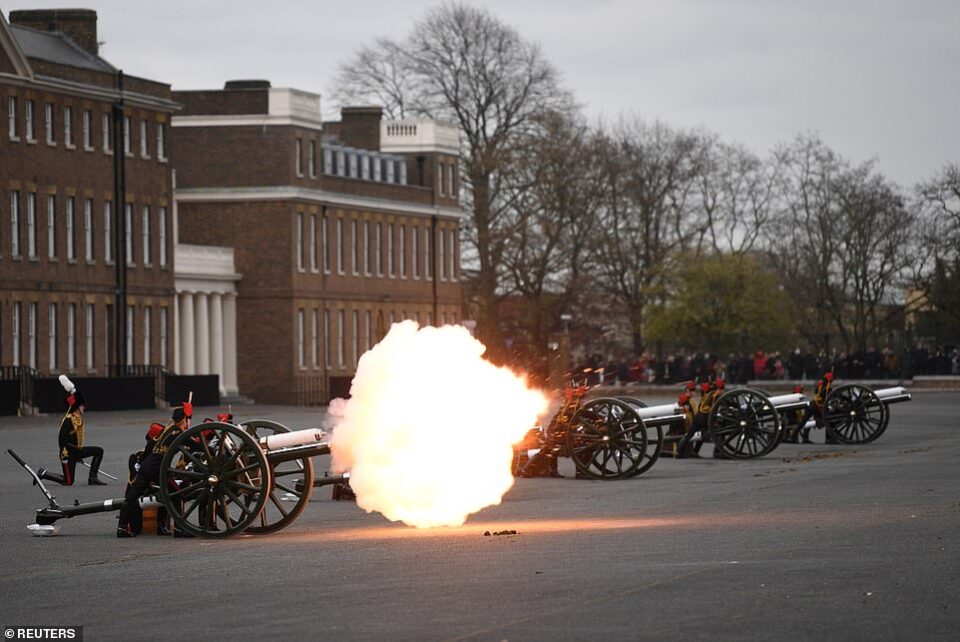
(148, 469)
(72, 450)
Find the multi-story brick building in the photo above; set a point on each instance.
(337, 228)
(79, 138)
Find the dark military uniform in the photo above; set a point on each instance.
(72, 450)
(148, 472)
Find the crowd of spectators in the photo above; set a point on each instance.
(795, 366)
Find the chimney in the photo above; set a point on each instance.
(80, 25)
(360, 127)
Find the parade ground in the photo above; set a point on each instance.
(810, 542)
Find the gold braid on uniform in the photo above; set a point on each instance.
(160, 448)
(77, 422)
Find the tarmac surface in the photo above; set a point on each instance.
(813, 541)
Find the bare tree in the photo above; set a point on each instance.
(649, 172)
(378, 74)
(463, 65)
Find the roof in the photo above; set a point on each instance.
(57, 48)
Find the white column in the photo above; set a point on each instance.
(216, 336)
(187, 349)
(202, 334)
(229, 380)
(176, 333)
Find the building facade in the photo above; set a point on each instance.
(338, 229)
(86, 218)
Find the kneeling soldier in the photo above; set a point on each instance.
(72, 450)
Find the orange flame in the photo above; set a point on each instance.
(428, 430)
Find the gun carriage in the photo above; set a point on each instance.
(220, 479)
(851, 413)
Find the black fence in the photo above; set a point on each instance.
(100, 393)
(9, 396)
(205, 389)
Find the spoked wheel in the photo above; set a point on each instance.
(853, 414)
(291, 481)
(744, 424)
(654, 439)
(214, 480)
(606, 439)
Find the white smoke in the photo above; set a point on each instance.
(428, 430)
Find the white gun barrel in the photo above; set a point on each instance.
(896, 391)
(306, 437)
(653, 412)
(786, 400)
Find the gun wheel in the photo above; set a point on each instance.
(606, 439)
(214, 480)
(291, 484)
(744, 424)
(654, 439)
(853, 414)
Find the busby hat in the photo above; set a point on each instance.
(74, 399)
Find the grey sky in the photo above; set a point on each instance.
(875, 78)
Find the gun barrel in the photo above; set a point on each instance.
(292, 439)
(896, 394)
(652, 412)
(787, 400)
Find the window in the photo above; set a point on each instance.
(441, 249)
(71, 337)
(339, 245)
(390, 168)
(12, 117)
(52, 338)
(356, 337)
(88, 329)
(365, 167)
(146, 235)
(298, 161)
(31, 225)
(452, 254)
(68, 126)
(427, 263)
(391, 259)
(314, 346)
(402, 243)
(366, 248)
(402, 171)
(441, 178)
(70, 220)
(108, 232)
(87, 125)
(450, 172)
(126, 136)
(313, 242)
(366, 330)
(163, 337)
(16, 334)
(354, 248)
(51, 226)
(354, 173)
(378, 247)
(32, 334)
(48, 123)
(14, 223)
(146, 335)
(341, 163)
(327, 161)
(105, 126)
(161, 142)
(28, 120)
(342, 343)
(144, 148)
(415, 251)
(88, 229)
(312, 159)
(128, 241)
(300, 241)
(162, 235)
(325, 244)
(129, 335)
(326, 337)
(376, 162)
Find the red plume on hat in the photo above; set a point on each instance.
(74, 398)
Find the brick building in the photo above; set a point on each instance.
(79, 138)
(337, 228)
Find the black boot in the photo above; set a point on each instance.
(123, 533)
(93, 481)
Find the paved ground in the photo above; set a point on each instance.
(812, 542)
